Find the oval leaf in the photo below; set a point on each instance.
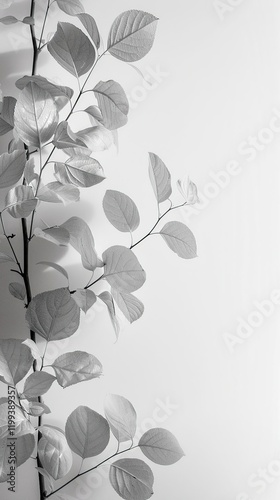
(121, 211)
(57, 235)
(59, 93)
(36, 409)
(37, 384)
(132, 35)
(180, 239)
(87, 432)
(72, 49)
(15, 360)
(121, 416)
(132, 479)
(54, 452)
(131, 307)
(17, 290)
(91, 27)
(8, 20)
(71, 7)
(11, 167)
(122, 269)
(36, 115)
(21, 426)
(160, 446)
(73, 367)
(81, 171)
(20, 201)
(113, 104)
(24, 446)
(106, 297)
(84, 298)
(82, 240)
(160, 178)
(97, 138)
(54, 314)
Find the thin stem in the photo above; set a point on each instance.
(43, 27)
(36, 192)
(8, 238)
(91, 469)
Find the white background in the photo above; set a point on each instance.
(219, 86)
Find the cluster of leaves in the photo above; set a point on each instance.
(40, 129)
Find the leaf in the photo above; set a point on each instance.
(121, 416)
(121, 211)
(82, 240)
(72, 49)
(96, 138)
(132, 479)
(54, 452)
(122, 269)
(9, 20)
(84, 298)
(160, 446)
(24, 446)
(95, 114)
(37, 384)
(91, 27)
(28, 20)
(81, 171)
(160, 178)
(11, 168)
(113, 103)
(20, 201)
(55, 266)
(46, 194)
(17, 290)
(59, 93)
(33, 348)
(54, 314)
(36, 115)
(29, 171)
(131, 306)
(15, 144)
(188, 190)
(71, 7)
(106, 297)
(132, 35)
(5, 258)
(180, 239)
(65, 138)
(67, 194)
(7, 115)
(36, 409)
(74, 367)
(15, 360)
(87, 432)
(21, 425)
(57, 235)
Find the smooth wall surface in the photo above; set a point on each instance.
(203, 361)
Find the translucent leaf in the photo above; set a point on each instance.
(37, 384)
(113, 103)
(121, 416)
(54, 452)
(65, 138)
(21, 424)
(85, 298)
(91, 27)
(59, 93)
(81, 171)
(131, 306)
(71, 7)
(11, 168)
(68, 194)
(96, 138)
(48, 195)
(180, 239)
(160, 178)
(106, 297)
(15, 360)
(160, 446)
(5, 258)
(82, 240)
(17, 290)
(188, 190)
(20, 201)
(9, 20)
(57, 235)
(72, 49)
(87, 432)
(36, 115)
(54, 314)
(55, 266)
(132, 35)
(29, 171)
(74, 367)
(132, 479)
(95, 114)
(33, 348)
(121, 211)
(122, 269)
(36, 409)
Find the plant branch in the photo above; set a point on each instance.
(8, 238)
(91, 469)
(43, 27)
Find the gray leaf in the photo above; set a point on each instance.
(80, 171)
(55, 266)
(57, 235)
(130, 305)
(60, 94)
(20, 201)
(84, 298)
(132, 479)
(132, 35)
(15, 360)
(160, 446)
(54, 452)
(160, 178)
(37, 384)
(74, 367)
(11, 168)
(122, 269)
(17, 290)
(9, 20)
(65, 138)
(67, 194)
(91, 27)
(180, 239)
(82, 240)
(121, 416)
(121, 211)
(71, 7)
(113, 103)
(106, 297)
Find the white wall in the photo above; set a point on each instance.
(219, 86)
